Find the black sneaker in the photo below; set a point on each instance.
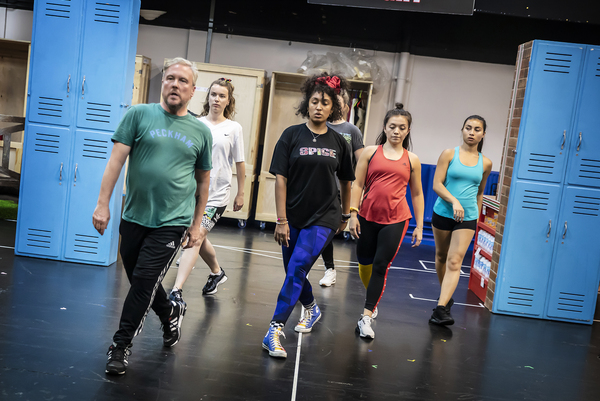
(172, 330)
(449, 304)
(213, 282)
(117, 359)
(177, 296)
(441, 315)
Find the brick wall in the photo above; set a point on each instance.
(508, 161)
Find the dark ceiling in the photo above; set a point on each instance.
(491, 34)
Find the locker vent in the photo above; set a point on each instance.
(598, 68)
(535, 200)
(50, 107)
(590, 168)
(95, 148)
(520, 296)
(539, 163)
(39, 238)
(571, 302)
(47, 143)
(557, 62)
(586, 205)
(58, 8)
(86, 244)
(107, 13)
(97, 112)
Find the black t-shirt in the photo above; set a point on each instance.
(310, 168)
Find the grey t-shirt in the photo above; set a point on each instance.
(351, 134)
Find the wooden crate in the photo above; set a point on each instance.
(249, 92)
(141, 79)
(284, 98)
(14, 74)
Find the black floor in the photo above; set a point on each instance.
(57, 320)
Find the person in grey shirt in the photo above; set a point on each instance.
(354, 137)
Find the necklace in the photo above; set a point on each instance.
(315, 136)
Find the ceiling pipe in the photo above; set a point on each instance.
(210, 31)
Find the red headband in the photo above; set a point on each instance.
(332, 82)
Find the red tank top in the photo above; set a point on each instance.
(384, 199)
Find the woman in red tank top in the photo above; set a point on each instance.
(382, 175)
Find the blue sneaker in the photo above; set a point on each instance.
(311, 316)
(272, 344)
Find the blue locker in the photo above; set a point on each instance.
(44, 189)
(103, 67)
(82, 241)
(547, 111)
(557, 278)
(524, 265)
(53, 70)
(83, 57)
(576, 261)
(584, 155)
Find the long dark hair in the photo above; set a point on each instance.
(318, 83)
(476, 117)
(398, 111)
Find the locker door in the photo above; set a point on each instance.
(103, 64)
(526, 254)
(547, 111)
(43, 191)
(576, 263)
(90, 155)
(55, 48)
(584, 158)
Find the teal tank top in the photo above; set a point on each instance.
(463, 183)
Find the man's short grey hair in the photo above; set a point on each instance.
(182, 61)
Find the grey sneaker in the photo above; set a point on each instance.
(364, 327)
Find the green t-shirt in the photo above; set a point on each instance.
(165, 151)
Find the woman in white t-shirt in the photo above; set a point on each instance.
(227, 148)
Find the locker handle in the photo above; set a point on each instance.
(75, 180)
(579, 144)
(60, 175)
(83, 86)
(549, 228)
(564, 139)
(69, 84)
(565, 233)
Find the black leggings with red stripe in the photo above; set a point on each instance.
(378, 244)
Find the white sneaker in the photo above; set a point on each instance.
(177, 263)
(375, 313)
(328, 279)
(364, 327)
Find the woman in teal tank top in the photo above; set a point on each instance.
(459, 181)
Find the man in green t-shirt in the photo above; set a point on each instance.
(169, 161)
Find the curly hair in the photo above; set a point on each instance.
(397, 111)
(229, 111)
(314, 85)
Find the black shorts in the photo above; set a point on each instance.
(446, 224)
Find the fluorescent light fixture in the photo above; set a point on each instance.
(150, 15)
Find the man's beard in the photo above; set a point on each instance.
(174, 108)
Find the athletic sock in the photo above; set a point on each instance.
(309, 306)
(364, 271)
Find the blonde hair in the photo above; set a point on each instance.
(229, 110)
(182, 61)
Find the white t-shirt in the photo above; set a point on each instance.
(227, 148)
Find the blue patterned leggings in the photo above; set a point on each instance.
(305, 247)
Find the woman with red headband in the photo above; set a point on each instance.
(305, 162)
